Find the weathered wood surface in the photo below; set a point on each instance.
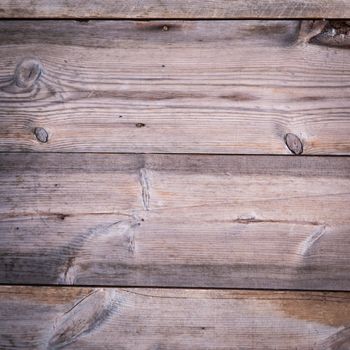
(175, 86)
(144, 319)
(175, 220)
(174, 9)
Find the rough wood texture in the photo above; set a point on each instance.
(144, 319)
(174, 9)
(175, 220)
(175, 86)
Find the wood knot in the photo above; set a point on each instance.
(310, 29)
(41, 135)
(335, 34)
(165, 28)
(27, 73)
(294, 144)
(86, 315)
(140, 125)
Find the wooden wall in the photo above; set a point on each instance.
(174, 175)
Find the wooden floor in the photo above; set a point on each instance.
(175, 176)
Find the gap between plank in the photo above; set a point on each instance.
(170, 287)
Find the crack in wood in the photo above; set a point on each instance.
(86, 315)
(58, 215)
(144, 181)
(253, 220)
(69, 271)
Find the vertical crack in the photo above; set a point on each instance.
(144, 181)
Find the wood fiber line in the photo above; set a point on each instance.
(174, 9)
(235, 87)
(175, 220)
(143, 319)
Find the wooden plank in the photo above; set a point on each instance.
(118, 318)
(175, 220)
(174, 86)
(174, 9)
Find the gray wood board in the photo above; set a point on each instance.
(144, 319)
(175, 220)
(233, 87)
(174, 9)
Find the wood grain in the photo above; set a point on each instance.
(175, 220)
(174, 9)
(144, 319)
(235, 87)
